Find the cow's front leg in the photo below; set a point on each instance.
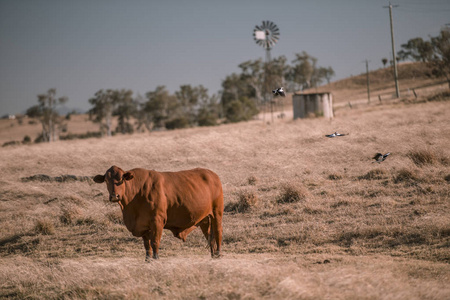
(146, 238)
(156, 229)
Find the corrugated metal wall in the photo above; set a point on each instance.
(313, 105)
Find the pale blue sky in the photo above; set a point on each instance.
(79, 47)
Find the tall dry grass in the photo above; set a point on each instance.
(313, 217)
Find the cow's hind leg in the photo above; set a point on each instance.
(217, 231)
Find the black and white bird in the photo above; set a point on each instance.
(279, 92)
(380, 157)
(335, 134)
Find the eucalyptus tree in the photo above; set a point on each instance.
(278, 68)
(440, 60)
(125, 107)
(155, 110)
(208, 111)
(416, 49)
(189, 99)
(104, 105)
(303, 70)
(47, 114)
(321, 74)
(237, 99)
(253, 74)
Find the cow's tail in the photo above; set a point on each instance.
(211, 239)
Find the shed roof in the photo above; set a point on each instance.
(311, 93)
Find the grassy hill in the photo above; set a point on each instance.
(411, 76)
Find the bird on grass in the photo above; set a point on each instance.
(335, 134)
(380, 157)
(279, 92)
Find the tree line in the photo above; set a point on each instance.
(239, 100)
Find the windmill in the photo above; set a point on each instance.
(266, 35)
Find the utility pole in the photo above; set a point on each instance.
(368, 81)
(397, 90)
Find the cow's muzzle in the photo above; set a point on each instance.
(114, 198)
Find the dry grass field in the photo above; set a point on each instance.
(307, 217)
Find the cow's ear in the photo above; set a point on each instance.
(127, 176)
(99, 178)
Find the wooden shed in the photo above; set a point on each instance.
(307, 105)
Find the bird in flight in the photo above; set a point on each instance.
(335, 134)
(279, 92)
(380, 157)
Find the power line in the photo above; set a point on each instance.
(420, 10)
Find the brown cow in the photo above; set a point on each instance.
(178, 201)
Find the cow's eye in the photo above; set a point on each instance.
(119, 182)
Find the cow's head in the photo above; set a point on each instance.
(114, 178)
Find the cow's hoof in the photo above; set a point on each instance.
(216, 255)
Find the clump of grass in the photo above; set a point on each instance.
(44, 226)
(335, 176)
(441, 96)
(69, 215)
(252, 180)
(405, 175)
(246, 201)
(312, 210)
(422, 157)
(374, 174)
(291, 194)
(340, 203)
(380, 236)
(85, 221)
(276, 212)
(447, 178)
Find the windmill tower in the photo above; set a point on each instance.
(266, 35)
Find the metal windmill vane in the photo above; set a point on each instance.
(266, 35)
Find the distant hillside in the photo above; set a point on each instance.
(411, 76)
